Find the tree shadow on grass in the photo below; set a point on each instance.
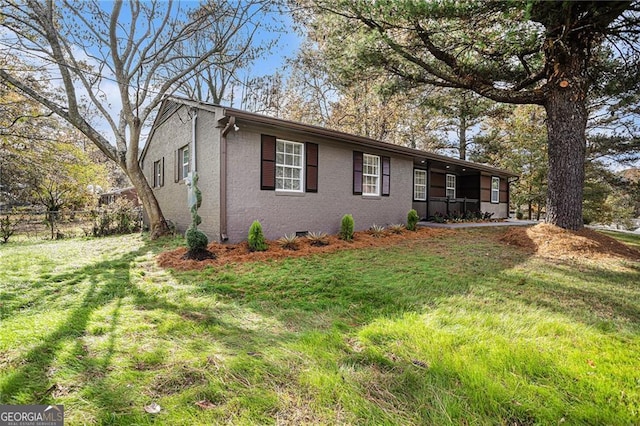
(107, 281)
(110, 283)
(352, 287)
(588, 294)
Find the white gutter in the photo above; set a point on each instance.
(231, 124)
(194, 121)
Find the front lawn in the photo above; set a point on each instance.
(453, 329)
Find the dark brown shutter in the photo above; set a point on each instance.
(268, 163)
(176, 159)
(357, 173)
(162, 173)
(312, 167)
(386, 176)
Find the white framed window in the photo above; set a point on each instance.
(289, 163)
(451, 186)
(183, 162)
(495, 189)
(419, 185)
(370, 174)
(158, 173)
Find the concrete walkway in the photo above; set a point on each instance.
(506, 222)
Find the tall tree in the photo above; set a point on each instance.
(460, 112)
(547, 53)
(44, 160)
(217, 79)
(112, 59)
(517, 141)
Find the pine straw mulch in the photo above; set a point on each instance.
(550, 241)
(543, 240)
(239, 253)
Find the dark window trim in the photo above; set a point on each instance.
(268, 163)
(357, 172)
(385, 176)
(158, 182)
(311, 151)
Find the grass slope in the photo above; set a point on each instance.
(458, 329)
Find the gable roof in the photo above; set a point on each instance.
(323, 132)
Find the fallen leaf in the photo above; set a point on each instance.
(591, 363)
(206, 405)
(152, 408)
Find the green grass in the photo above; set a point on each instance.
(632, 240)
(458, 329)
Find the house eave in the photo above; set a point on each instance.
(365, 142)
(336, 135)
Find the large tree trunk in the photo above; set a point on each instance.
(565, 104)
(566, 125)
(157, 223)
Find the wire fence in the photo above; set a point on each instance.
(31, 224)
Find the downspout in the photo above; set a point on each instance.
(231, 124)
(194, 121)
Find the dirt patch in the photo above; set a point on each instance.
(553, 242)
(239, 253)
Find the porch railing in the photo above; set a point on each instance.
(448, 206)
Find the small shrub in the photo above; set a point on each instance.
(412, 220)
(102, 224)
(519, 215)
(376, 231)
(438, 218)
(120, 217)
(487, 215)
(318, 239)
(456, 216)
(256, 237)
(124, 216)
(289, 242)
(397, 228)
(346, 227)
(7, 228)
(196, 240)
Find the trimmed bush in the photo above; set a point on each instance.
(412, 220)
(346, 227)
(196, 240)
(256, 237)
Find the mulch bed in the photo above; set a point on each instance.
(543, 240)
(550, 241)
(239, 253)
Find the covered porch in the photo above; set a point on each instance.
(450, 187)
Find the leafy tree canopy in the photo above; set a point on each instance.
(554, 54)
